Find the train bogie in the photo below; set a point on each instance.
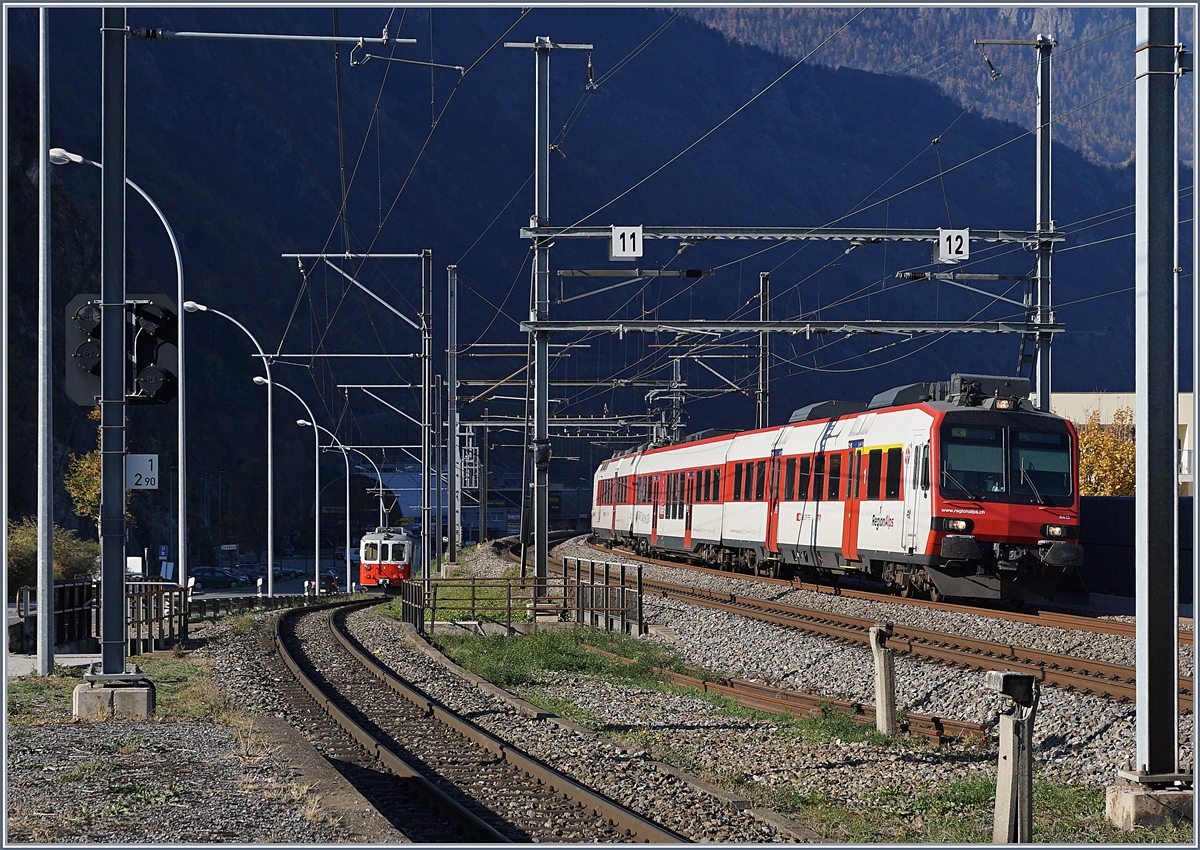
(954, 489)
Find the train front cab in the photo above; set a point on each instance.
(385, 559)
(1006, 510)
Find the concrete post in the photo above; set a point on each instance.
(885, 679)
(1013, 819)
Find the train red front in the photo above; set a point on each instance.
(386, 556)
(955, 489)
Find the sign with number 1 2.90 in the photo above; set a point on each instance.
(141, 472)
(954, 246)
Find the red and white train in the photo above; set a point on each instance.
(952, 489)
(385, 558)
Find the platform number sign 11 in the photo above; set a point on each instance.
(141, 472)
(954, 246)
(626, 243)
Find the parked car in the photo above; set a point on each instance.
(218, 577)
(329, 582)
(288, 571)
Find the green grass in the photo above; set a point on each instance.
(959, 812)
(956, 812)
(184, 690)
(519, 661)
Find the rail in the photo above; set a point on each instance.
(773, 699)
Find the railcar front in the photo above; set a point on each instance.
(385, 559)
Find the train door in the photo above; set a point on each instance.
(915, 455)
(773, 506)
(853, 493)
(688, 495)
(654, 511)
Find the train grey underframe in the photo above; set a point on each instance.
(967, 568)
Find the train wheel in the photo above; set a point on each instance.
(907, 592)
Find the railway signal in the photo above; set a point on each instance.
(151, 337)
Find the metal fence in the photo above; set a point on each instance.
(156, 615)
(594, 593)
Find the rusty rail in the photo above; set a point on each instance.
(773, 699)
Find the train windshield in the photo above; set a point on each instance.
(1040, 464)
(1006, 464)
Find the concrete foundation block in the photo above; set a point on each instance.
(1127, 806)
(99, 702)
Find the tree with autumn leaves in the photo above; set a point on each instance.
(1106, 455)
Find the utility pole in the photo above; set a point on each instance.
(426, 388)
(1156, 271)
(454, 496)
(112, 342)
(762, 420)
(483, 482)
(437, 467)
(542, 46)
(45, 449)
(1045, 225)
(1037, 297)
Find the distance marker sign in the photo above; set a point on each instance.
(141, 472)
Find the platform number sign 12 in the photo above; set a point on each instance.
(626, 243)
(954, 246)
(141, 472)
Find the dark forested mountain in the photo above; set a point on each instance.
(239, 144)
(1093, 62)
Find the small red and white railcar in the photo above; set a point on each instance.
(385, 558)
(954, 489)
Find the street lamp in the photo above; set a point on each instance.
(378, 476)
(346, 458)
(58, 156)
(261, 381)
(193, 307)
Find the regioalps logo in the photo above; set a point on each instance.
(883, 521)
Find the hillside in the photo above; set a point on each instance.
(1092, 61)
(239, 147)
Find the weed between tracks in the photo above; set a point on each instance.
(954, 811)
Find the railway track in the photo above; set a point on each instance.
(1090, 676)
(434, 775)
(1053, 619)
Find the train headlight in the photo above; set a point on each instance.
(1060, 532)
(956, 525)
(1005, 404)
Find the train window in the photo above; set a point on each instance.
(835, 475)
(857, 473)
(895, 462)
(370, 551)
(737, 482)
(716, 491)
(849, 474)
(774, 486)
(384, 551)
(691, 489)
(972, 462)
(760, 480)
(925, 467)
(707, 485)
(789, 479)
(874, 467)
(802, 484)
(818, 477)
(748, 482)
(1040, 463)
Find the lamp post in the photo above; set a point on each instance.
(261, 381)
(193, 307)
(378, 476)
(58, 156)
(346, 458)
